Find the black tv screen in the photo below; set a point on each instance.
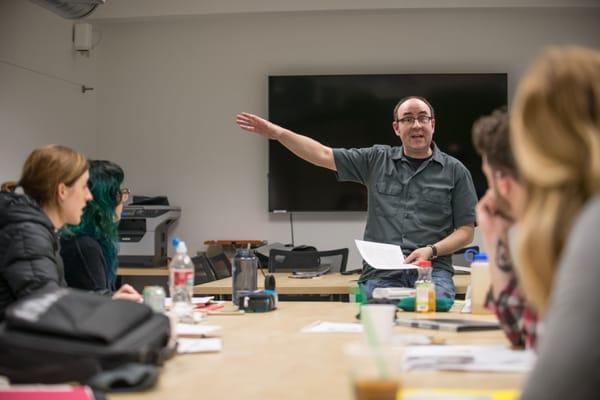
(354, 111)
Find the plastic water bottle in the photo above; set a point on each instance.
(181, 283)
(480, 283)
(243, 272)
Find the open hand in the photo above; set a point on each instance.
(253, 123)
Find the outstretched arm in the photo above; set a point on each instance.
(304, 147)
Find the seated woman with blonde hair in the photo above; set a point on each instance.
(555, 133)
(54, 182)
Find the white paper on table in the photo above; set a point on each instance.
(188, 345)
(468, 358)
(333, 327)
(406, 339)
(195, 300)
(382, 255)
(192, 329)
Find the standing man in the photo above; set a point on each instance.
(496, 213)
(419, 197)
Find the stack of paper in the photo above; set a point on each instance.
(469, 358)
(195, 330)
(207, 345)
(195, 300)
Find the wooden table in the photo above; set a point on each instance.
(327, 284)
(266, 356)
(139, 271)
(236, 243)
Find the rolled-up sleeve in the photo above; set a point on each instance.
(352, 165)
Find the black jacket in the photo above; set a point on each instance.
(29, 250)
(85, 265)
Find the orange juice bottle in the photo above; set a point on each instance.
(431, 297)
(425, 288)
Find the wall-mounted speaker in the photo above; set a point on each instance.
(82, 37)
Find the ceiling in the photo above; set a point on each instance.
(123, 10)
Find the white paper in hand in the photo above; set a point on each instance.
(382, 255)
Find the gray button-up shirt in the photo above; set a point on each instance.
(406, 207)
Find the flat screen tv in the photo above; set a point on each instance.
(356, 111)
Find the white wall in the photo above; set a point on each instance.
(36, 109)
(168, 92)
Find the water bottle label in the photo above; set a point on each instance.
(181, 277)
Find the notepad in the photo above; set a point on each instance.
(459, 394)
(46, 392)
(447, 324)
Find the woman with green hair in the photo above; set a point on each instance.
(89, 250)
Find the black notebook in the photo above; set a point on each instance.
(448, 324)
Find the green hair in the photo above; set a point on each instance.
(99, 220)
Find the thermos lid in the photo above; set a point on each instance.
(244, 252)
(480, 257)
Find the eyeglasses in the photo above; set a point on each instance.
(123, 195)
(423, 119)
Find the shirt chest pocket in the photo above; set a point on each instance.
(435, 207)
(388, 198)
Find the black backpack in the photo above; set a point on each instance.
(67, 335)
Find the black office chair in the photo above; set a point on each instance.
(202, 270)
(308, 261)
(221, 266)
(458, 257)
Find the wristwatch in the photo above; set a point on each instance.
(433, 251)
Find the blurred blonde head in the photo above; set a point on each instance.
(555, 134)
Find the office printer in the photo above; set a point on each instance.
(143, 232)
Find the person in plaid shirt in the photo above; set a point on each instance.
(495, 216)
